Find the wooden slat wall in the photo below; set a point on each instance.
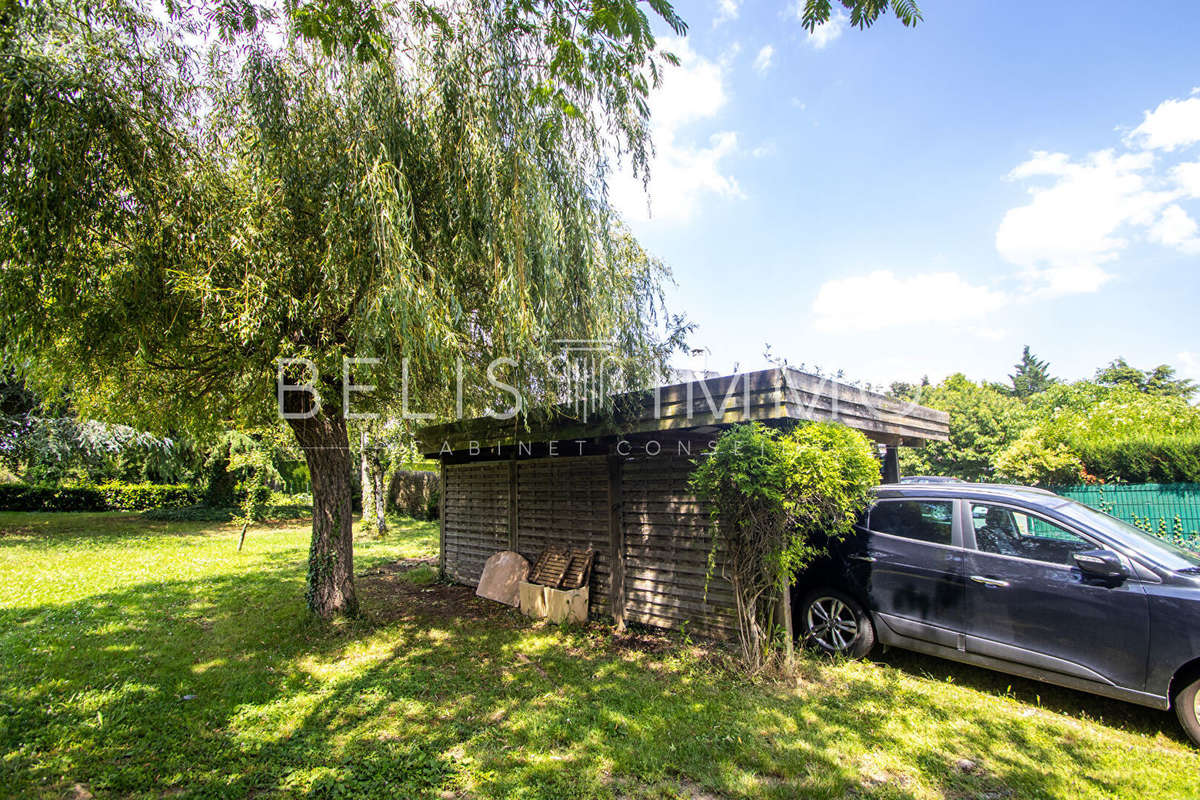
(564, 501)
(475, 517)
(666, 551)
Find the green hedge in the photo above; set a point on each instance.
(104, 497)
(1144, 459)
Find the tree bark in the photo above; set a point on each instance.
(374, 507)
(326, 447)
(366, 482)
(380, 500)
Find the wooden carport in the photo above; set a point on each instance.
(619, 484)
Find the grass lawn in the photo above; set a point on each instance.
(150, 659)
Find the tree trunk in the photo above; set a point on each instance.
(326, 447)
(374, 507)
(380, 499)
(366, 483)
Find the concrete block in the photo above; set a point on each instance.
(533, 599)
(567, 605)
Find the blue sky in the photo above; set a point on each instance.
(899, 202)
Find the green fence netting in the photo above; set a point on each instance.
(1169, 510)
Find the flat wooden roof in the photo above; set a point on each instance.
(770, 395)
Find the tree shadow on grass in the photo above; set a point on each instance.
(224, 687)
(46, 530)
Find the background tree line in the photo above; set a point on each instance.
(1124, 425)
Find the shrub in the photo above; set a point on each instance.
(1032, 460)
(23, 497)
(1110, 434)
(1148, 458)
(1038, 458)
(777, 500)
(983, 421)
(105, 497)
(142, 496)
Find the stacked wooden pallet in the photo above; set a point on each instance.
(563, 568)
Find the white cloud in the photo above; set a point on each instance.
(1176, 229)
(1080, 220)
(686, 169)
(827, 32)
(1187, 177)
(1084, 213)
(726, 10)
(882, 299)
(1175, 123)
(762, 62)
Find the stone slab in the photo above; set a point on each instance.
(502, 573)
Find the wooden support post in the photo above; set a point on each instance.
(442, 519)
(891, 464)
(512, 504)
(616, 537)
(789, 635)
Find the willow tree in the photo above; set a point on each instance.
(190, 199)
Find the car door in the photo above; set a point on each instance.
(1026, 601)
(912, 567)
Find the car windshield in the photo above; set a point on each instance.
(1158, 550)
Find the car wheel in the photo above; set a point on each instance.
(1187, 708)
(836, 623)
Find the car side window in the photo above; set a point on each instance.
(1008, 532)
(923, 520)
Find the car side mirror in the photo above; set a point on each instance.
(1104, 564)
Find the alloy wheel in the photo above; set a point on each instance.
(832, 624)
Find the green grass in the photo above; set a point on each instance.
(150, 659)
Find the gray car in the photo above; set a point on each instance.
(1018, 580)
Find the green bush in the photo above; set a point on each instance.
(105, 497)
(142, 496)
(1142, 459)
(983, 421)
(776, 501)
(22, 497)
(1035, 461)
(1091, 433)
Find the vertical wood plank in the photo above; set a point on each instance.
(616, 531)
(512, 504)
(442, 518)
